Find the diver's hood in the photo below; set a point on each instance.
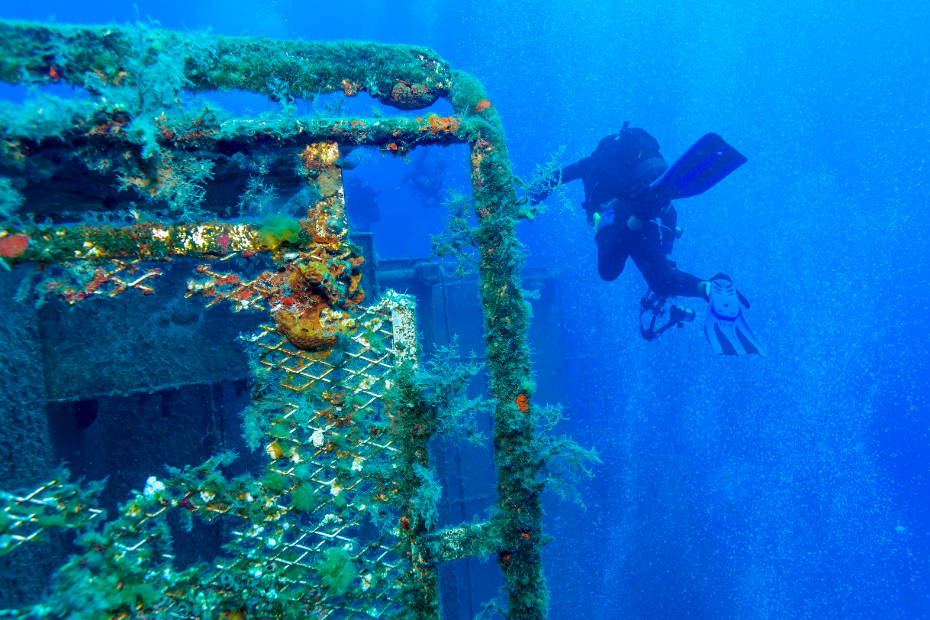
(649, 170)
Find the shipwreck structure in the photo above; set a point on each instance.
(102, 193)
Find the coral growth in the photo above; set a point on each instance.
(302, 326)
(308, 297)
(304, 316)
(408, 96)
(12, 246)
(259, 198)
(177, 179)
(320, 167)
(350, 88)
(436, 124)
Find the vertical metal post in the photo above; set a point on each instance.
(508, 357)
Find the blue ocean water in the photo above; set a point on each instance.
(794, 486)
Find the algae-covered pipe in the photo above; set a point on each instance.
(403, 76)
(507, 353)
(104, 128)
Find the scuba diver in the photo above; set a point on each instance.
(425, 179)
(628, 192)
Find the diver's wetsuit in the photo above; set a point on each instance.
(609, 174)
(647, 247)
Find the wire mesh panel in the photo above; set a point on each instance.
(24, 519)
(322, 533)
(340, 538)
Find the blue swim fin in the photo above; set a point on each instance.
(704, 165)
(725, 327)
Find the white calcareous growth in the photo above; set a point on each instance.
(153, 486)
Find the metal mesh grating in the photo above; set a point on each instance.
(23, 519)
(320, 441)
(317, 536)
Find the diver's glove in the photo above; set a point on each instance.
(725, 327)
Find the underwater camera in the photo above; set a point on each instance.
(654, 309)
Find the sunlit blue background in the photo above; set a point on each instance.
(794, 486)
